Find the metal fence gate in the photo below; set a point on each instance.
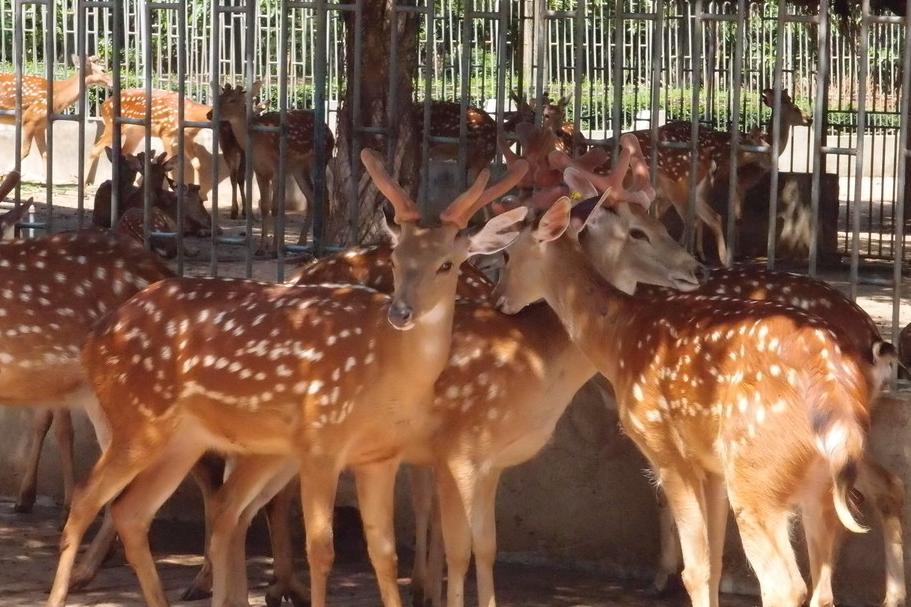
(624, 64)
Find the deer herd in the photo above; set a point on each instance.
(746, 390)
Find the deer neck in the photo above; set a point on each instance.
(66, 91)
(590, 308)
(239, 128)
(784, 132)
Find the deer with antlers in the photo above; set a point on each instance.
(729, 399)
(34, 99)
(276, 372)
(265, 145)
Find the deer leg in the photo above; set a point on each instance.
(712, 219)
(265, 210)
(687, 501)
(39, 136)
(376, 498)
(41, 423)
(456, 535)
(208, 473)
(302, 177)
(92, 163)
(114, 470)
(63, 432)
(135, 508)
(484, 536)
(436, 558)
(886, 493)
(287, 585)
(821, 529)
(764, 531)
(319, 481)
(716, 501)
(422, 504)
(234, 185)
(670, 558)
(235, 506)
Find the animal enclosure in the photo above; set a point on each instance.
(608, 67)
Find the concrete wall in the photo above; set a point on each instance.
(584, 501)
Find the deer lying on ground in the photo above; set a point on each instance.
(164, 126)
(223, 391)
(34, 99)
(265, 145)
(771, 408)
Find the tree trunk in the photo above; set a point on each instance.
(354, 210)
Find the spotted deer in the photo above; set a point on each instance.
(128, 169)
(164, 126)
(52, 291)
(445, 121)
(34, 99)
(265, 146)
(882, 489)
(713, 164)
(295, 379)
(237, 168)
(729, 399)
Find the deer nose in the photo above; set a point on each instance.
(400, 316)
(702, 273)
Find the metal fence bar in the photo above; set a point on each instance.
(655, 87)
(356, 129)
(215, 90)
(116, 110)
(819, 116)
(776, 135)
(689, 229)
(18, 52)
(899, 213)
(618, 80)
(49, 59)
(861, 132)
(181, 8)
(462, 160)
(320, 153)
(249, 80)
(733, 197)
(147, 119)
(281, 192)
(81, 53)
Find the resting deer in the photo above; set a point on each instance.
(34, 99)
(297, 379)
(770, 407)
(265, 145)
(164, 126)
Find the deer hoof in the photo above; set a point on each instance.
(665, 585)
(201, 588)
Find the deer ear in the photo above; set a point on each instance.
(498, 233)
(387, 222)
(554, 222)
(579, 184)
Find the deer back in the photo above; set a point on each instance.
(52, 291)
(34, 88)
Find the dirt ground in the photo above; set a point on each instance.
(28, 552)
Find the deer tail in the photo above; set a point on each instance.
(840, 438)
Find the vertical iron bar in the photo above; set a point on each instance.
(354, 159)
(502, 30)
(215, 84)
(861, 135)
(617, 117)
(819, 133)
(320, 203)
(776, 135)
(117, 139)
(181, 118)
(541, 56)
(464, 90)
(249, 80)
(428, 92)
(81, 109)
(147, 119)
(18, 53)
(578, 74)
(736, 86)
(899, 211)
(280, 185)
(50, 43)
(655, 87)
(696, 60)
(392, 117)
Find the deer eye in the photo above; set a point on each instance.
(638, 234)
(447, 265)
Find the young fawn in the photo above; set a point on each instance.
(728, 399)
